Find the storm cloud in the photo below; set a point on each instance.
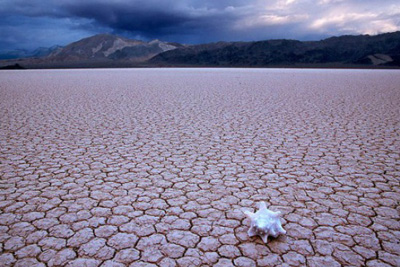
(33, 23)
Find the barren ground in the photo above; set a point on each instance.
(138, 167)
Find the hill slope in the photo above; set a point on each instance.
(366, 50)
(107, 46)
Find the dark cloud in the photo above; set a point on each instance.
(156, 19)
(29, 23)
(128, 18)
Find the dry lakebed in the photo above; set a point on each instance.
(154, 167)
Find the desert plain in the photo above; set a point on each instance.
(154, 167)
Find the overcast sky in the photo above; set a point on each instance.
(32, 23)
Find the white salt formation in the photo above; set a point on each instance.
(265, 223)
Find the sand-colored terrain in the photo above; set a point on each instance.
(151, 167)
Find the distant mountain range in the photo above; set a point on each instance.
(105, 50)
(23, 53)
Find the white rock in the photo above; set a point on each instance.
(265, 223)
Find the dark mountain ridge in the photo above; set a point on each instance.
(383, 49)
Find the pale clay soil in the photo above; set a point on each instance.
(152, 167)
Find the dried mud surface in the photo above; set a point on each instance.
(151, 167)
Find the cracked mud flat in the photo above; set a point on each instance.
(150, 167)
